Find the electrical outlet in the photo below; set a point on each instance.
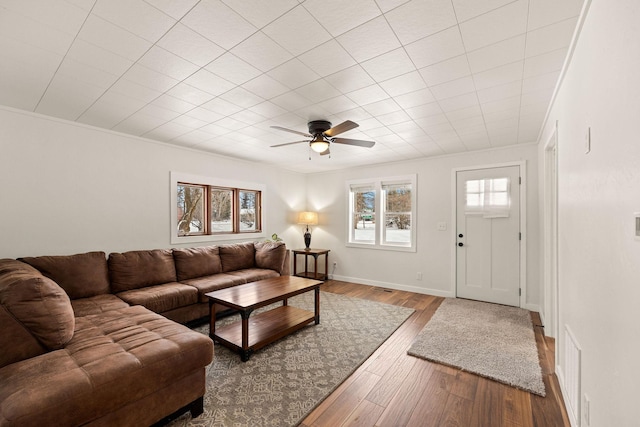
(419, 275)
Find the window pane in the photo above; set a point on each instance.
(364, 215)
(248, 207)
(221, 210)
(397, 215)
(190, 209)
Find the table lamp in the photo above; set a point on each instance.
(308, 218)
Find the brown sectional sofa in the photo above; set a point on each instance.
(91, 340)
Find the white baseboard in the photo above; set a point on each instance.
(396, 286)
(563, 391)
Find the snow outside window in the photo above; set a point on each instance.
(488, 197)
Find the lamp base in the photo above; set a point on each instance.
(307, 239)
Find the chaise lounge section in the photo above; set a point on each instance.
(91, 340)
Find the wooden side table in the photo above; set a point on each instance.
(315, 253)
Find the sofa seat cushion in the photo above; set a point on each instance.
(213, 283)
(254, 274)
(161, 298)
(97, 304)
(114, 358)
(82, 275)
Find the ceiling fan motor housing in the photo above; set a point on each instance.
(318, 126)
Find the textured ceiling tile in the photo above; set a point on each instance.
(413, 99)
(388, 65)
(467, 9)
(104, 34)
(167, 63)
(453, 88)
(499, 76)
(190, 94)
(31, 32)
(233, 69)
(62, 98)
(327, 58)
(186, 43)
(318, 91)
(98, 58)
(382, 107)
(261, 52)
(293, 74)
(500, 92)
(175, 9)
(339, 16)
(436, 48)
(265, 87)
(550, 38)
(217, 22)
(261, 13)
(241, 97)
(425, 110)
(369, 40)
(350, 80)
(495, 55)
(297, 31)
(172, 103)
(445, 71)
(545, 63)
(135, 16)
(459, 101)
(497, 25)
(546, 12)
(403, 84)
(209, 82)
(268, 109)
(420, 18)
(368, 95)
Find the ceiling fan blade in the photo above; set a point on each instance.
(342, 127)
(358, 142)
(325, 152)
(292, 131)
(288, 143)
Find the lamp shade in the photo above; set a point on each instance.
(308, 218)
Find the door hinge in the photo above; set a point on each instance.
(519, 180)
(519, 236)
(519, 292)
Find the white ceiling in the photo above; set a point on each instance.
(421, 77)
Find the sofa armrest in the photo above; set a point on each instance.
(286, 265)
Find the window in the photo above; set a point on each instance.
(212, 209)
(488, 197)
(382, 212)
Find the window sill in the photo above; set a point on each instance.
(393, 248)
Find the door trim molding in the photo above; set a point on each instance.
(523, 226)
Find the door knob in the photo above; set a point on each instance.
(460, 244)
(460, 235)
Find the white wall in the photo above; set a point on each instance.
(327, 194)
(69, 188)
(599, 258)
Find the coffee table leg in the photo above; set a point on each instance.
(212, 318)
(317, 305)
(245, 353)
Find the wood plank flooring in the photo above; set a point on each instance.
(394, 389)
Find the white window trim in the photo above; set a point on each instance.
(218, 182)
(379, 213)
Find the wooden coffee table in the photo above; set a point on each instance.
(264, 328)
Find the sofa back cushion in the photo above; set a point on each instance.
(197, 262)
(237, 256)
(81, 276)
(36, 314)
(271, 255)
(137, 269)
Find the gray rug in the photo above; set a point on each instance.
(491, 340)
(283, 382)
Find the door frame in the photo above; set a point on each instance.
(523, 224)
(551, 288)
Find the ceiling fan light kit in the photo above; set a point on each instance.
(321, 135)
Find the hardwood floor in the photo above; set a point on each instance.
(394, 389)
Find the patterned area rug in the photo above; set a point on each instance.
(491, 340)
(283, 382)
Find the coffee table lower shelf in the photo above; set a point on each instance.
(263, 328)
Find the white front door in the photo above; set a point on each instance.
(488, 235)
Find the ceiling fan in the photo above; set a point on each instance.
(321, 135)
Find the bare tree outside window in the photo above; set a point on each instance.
(221, 210)
(397, 211)
(190, 209)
